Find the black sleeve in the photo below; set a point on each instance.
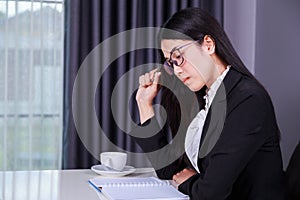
(166, 157)
(149, 135)
(293, 175)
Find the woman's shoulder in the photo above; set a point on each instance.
(247, 88)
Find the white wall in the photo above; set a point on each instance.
(277, 64)
(239, 24)
(266, 35)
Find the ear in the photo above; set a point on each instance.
(209, 44)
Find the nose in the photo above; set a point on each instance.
(178, 70)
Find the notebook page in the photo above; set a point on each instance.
(136, 188)
(141, 181)
(143, 193)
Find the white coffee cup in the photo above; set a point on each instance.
(114, 160)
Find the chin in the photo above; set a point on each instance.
(194, 88)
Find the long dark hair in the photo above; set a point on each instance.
(194, 24)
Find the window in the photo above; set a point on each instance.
(31, 84)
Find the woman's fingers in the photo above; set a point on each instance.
(183, 175)
(144, 80)
(156, 77)
(149, 78)
(141, 80)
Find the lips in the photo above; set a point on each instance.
(184, 79)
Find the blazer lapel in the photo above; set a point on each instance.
(217, 113)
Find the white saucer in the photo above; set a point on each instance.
(100, 169)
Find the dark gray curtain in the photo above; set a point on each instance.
(87, 24)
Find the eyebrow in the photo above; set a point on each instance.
(175, 48)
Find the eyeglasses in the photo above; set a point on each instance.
(176, 58)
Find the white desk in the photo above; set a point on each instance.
(53, 184)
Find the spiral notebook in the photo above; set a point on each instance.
(128, 188)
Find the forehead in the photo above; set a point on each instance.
(167, 44)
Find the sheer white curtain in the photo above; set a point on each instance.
(31, 84)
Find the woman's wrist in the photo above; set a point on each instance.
(146, 111)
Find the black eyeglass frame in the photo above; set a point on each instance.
(169, 63)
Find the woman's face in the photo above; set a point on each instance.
(197, 67)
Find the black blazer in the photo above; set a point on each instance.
(246, 162)
(292, 175)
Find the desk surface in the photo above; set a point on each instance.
(53, 184)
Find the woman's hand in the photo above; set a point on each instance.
(182, 176)
(147, 91)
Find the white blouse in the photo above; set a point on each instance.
(194, 132)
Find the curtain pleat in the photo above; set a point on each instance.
(88, 24)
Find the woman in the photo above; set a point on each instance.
(243, 160)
